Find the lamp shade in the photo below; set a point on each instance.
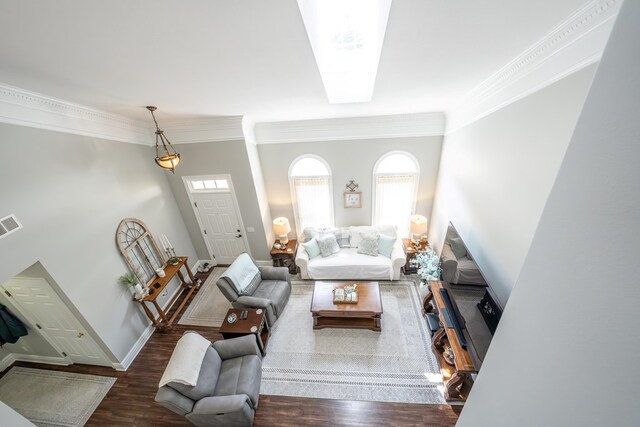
(418, 224)
(281, 226)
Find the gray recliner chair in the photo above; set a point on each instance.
(269, 288)
(228, 387)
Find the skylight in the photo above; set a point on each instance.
(346, 37)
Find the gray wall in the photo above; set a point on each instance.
(348, 160)
(496, 174)
(566, 350)
(70, 192)
(225, 157)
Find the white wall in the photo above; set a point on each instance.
(495, 176)
(567, 348)
(348, 160)
(70, 192)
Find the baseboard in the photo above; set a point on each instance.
(6, 362)
(137, 347)
(33, 358)
(130, 357)
(263, 263)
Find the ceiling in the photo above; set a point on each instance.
(203, 58)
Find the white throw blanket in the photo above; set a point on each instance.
(186, 360)
(241, 273)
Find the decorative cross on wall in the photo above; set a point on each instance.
(351, 186)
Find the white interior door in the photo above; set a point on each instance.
(221, 222)
(39, 303)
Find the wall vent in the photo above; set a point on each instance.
(8, 225)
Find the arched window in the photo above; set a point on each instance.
(311, 195)
(395, 185)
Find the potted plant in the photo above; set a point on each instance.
(131, 280)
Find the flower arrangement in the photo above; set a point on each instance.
(429, 265)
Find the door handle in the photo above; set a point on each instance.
(80, 334)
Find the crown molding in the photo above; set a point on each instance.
(211, 129)
(574, 44)
(340, 129)
(25, 108)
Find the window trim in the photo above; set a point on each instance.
(190, 189)
(375, 175)
(293, 194)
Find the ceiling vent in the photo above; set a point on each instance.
(8, 225)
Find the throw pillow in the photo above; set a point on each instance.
(457, 247)
(368, 244)
(385, 245)
(309, 233)
(358, 231)
(312, 248)
(343, 236)
(328, 244)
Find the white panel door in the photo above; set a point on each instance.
(39, 303)
(221, 224)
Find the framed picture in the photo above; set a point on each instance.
(353, 199)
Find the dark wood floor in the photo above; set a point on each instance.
(130, 400)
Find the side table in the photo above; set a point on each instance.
(411, 250)
(286, 257)
(254, 324)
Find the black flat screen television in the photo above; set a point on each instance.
(476, 301)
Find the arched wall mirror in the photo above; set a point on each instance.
(139, 249)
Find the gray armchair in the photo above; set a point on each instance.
(270, 288)
(228, 386)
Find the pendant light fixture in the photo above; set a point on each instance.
(169, 157)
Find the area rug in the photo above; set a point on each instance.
(395, 365)
(52, 398)
(209, 306)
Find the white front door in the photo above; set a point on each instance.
(221, 222)
(39, 303)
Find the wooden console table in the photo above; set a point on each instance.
(457, 378)
(158, 284)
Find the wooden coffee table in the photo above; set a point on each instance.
(254, 320)
(365, 314)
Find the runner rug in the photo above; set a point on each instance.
(53, 398)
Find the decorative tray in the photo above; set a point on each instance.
(346, 295)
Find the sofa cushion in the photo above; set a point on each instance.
(207, 378)
(385, 245)
(349, 264)
(368, 244)
(312, 248)
(328, 244)
(357, 232)
(276, 291)
(240, 375)
(457, 247)
(343, 237)
(309, 233)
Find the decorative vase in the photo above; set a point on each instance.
(137, 288)
(160, 272)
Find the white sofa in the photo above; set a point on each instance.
(348, 264)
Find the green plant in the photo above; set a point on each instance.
(128, 279)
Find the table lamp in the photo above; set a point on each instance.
(418, 228)
(281, 228)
